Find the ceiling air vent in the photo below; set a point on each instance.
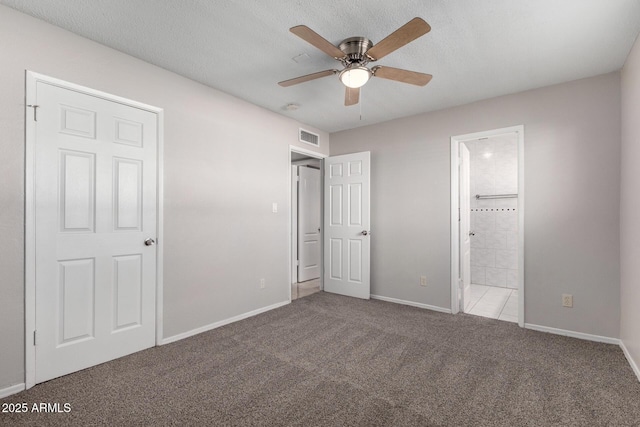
(309, 137)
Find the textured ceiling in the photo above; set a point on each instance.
(476, 49)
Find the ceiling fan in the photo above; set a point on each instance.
(355, 53)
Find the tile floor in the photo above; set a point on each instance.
(493, 302)
(303, 289)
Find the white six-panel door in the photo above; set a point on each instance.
(347, 225)
(465, 229)
(95, 204)
(308, 223)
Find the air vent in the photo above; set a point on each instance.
(309, 137)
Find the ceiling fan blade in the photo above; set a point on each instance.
(407, 33)
(315, 39)
(351, 96)
(307, 78)
(400, 75)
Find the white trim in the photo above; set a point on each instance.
(160, 231)
(306, 152)
(315, 155)
(572, 334)
(455, 246)
(29, 236)
(222, 323)
(632, 362)
(31, 81)
(412, 304)
(8, 391)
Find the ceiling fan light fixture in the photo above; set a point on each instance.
(355, 77)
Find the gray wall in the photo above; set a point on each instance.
(630, 206)
(572, 182)
(226, 161)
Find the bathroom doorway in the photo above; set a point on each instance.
(306, 223)
(488, 259)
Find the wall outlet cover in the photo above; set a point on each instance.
(567, 300)
(423, 280)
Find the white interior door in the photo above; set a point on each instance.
(95, 204)
(347, 225)
(308, 223)
(465, 229)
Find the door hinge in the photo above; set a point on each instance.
(298, 178)
(34, 337)
(458, 214)
(297, 262)
(35, 111)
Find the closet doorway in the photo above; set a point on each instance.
(306, 223)
(487, 224)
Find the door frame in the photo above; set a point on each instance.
(315, 155)
(455, 193)
(32, 79)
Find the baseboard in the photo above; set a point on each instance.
(412, 304)
(632, 362)
(573, 334)
(221, 323)
(12, 390)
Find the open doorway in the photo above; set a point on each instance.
(306, 223)
(487, 224)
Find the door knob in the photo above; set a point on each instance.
(365, 232)
(149, 242)
(471, 233)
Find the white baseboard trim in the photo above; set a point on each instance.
(412, 304)
(573, 334)
(12, 390)
(632, 362)
(221, 323)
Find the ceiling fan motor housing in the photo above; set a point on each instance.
(355, 49)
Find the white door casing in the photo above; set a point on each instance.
(308, 223)
(95, 202)
(465, 229)
(347, 225)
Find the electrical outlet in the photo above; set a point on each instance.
(423, 280)
(567, 300)
(262, 283)
(274, 207)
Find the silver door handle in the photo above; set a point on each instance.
(149, 242)
(365, 232)
(471, 233)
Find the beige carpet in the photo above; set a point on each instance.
(338, 361)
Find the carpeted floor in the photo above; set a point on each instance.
(332, 360)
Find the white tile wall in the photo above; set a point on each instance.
(494, 248)
(507, 259)
(483, 257)
(512, 278)
(496, 277)
(478, 274)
